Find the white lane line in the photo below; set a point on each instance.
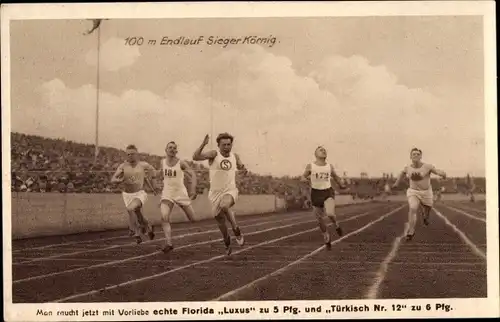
(460, 211)
(254, 283)
(90, 241)
(109, 263)
(132, 244)
(470, 209)
(467, 241)
(142, 279)
(373, 291)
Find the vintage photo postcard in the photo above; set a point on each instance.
(206, 161)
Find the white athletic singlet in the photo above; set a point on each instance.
(321, 176)
(420, 178)
(173, 177)
(223, 173)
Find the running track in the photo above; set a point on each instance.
(283, 259)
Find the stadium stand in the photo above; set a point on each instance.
(45, 165)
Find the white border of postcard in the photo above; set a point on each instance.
(488, 307)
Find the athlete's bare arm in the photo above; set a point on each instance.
(118, 175)
(239, 165)
(190, 173)
(150, 170)
(438, 172)
(307, 173)
(337, 178)
(199, 155)
(402, 174)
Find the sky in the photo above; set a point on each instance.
(368, 89)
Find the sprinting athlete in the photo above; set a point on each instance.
(419, 193)
(132, 173)
(320, 174)
(223, 192)
(174, 191)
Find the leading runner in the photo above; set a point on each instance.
(419, 194)
(223, 192)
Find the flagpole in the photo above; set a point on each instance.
(97, 95)
(211, 117)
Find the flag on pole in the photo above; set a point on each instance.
(96, 23)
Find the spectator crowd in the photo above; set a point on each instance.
(41, 164)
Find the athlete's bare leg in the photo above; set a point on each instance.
(226, 203)
(189, 211)
(132, 223)
(136, 206)
(166, 210)
(321, 216)
(221, 222)
(426, 211)
(414, 204)
(330, 213)
(133, 209)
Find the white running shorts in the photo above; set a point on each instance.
(179, 197)
(426, 197)
(129, 197)
(215, 197)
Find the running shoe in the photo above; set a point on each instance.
(328, 242)
(151, 233)
(240, 240)
(167, 249)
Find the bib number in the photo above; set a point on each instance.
(323, 175)
(170, 173)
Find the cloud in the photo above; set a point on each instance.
(114, 55)
(359, 112)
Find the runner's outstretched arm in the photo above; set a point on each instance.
(337, 178)
(438, 172)
(199, 155)
(306, 176)
(239, 165)
(398, 180)
(118, 175)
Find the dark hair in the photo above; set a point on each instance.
(223, 136)
(131, 147)
(416, 149)
(171, 142)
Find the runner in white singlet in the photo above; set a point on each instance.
(320, 175)
(223, 192)
(420, 195)
(132, 173)
(174, 191)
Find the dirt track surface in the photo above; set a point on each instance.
(283, 259)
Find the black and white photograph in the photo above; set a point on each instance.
(215, 161)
